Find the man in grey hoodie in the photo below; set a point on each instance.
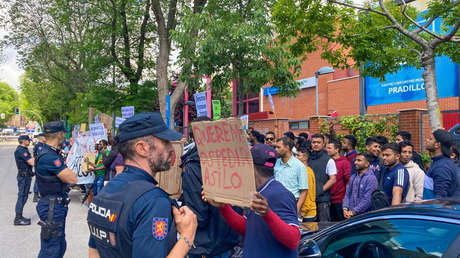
(416, 174)
(360, 188)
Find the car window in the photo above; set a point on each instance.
(392, 238)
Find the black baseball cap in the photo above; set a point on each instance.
(263, 155)
(445, 139)
(23, 137)
(142, 124)
(54, 127)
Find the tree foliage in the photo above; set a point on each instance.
(234, 40)
(377, 37)
(8, 101)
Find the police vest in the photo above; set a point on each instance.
(108, 220)
(20, 163)
(49, 185)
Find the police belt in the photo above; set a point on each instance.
(26, 173)
(58, 199)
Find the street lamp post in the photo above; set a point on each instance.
(322, 70)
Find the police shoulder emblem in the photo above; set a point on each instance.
(159, 228)
(57, 163)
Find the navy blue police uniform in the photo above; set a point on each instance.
(52, 206)
(24, 178)
(131, 217)
(37, 150)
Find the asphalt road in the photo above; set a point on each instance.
(24, 241)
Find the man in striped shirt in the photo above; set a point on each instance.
(395, 176)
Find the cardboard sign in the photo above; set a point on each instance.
(226, 163)
(82, 127)
(106, 120)
(98, 131)
(84, 165)
(201, 104)
(118, 121)
(127, 112)
(83, 143)
(171, 181)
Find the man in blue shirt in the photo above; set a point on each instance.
(290, 171)
(24, 162)
(270, 228)
(52, 179)
(131, 217)
(442, 171)
(394, 175)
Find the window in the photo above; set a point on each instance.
(295, 125)
(393, 238)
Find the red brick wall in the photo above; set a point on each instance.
(344, 96)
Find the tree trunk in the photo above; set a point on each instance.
(431, 90)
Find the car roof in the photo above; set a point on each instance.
(446, 208)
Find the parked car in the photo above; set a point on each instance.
(428, 229)
(8, 131)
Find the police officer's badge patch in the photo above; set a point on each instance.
(57, 163)
(159, 228)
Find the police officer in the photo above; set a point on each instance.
(24, 162)
(131, 217)
(37, 150)
(53, 177)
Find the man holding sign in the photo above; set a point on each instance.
(271, 227)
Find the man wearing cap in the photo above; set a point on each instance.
(443, 170)
(52, 178)
(37, 150)
(271, 227)
(24, 162)
(131, 217)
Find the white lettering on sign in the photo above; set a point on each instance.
(406, 88)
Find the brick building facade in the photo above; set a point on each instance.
(340, 93)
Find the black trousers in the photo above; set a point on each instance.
(337, 212)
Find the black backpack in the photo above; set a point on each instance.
(379, 198)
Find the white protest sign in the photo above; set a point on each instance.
(201, 104)
(127, 112)
(245, 121)
(118, 121)
(84, 143)
(98, 131)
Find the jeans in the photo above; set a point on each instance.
(98, 184)
(54, 247)
(23, 192)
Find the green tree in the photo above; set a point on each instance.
(234, 39)
(376, 37)
(8, 101)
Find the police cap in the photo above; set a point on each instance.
(143, 124)
(54, 127)
(23, 137)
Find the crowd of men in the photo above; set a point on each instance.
(304, 178)
(347, 182)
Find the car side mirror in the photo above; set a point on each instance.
(309, 248)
